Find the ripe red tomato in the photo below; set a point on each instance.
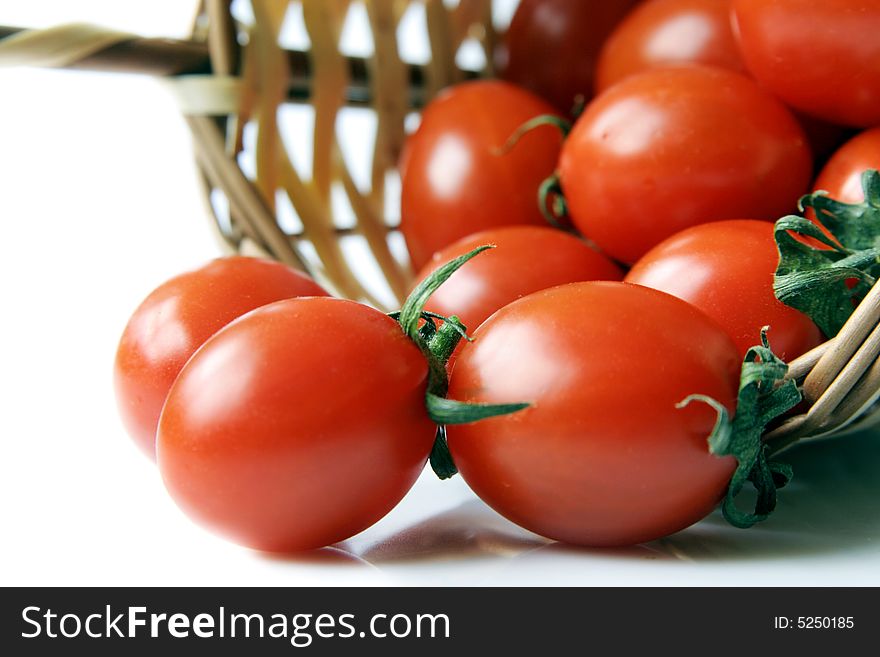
(671, 148)
(551, 46)
(842, 175)
(454, 182)
(298, 425)
(819, 56)
(527, 259)
(726, 270)
(674, 32)
(669, 32)
(602, 456)
(174, 321)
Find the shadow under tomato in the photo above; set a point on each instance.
(470, 530)
(327, 556)
(831, 506)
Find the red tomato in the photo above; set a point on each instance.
(671, 148)
(551, 46)
(669, 32)
(298, 425)
(456, 183)
(726, 270)
(842, 175)
(527, 259)
(819, 56)
(174, 321)
(673, 32)
(602, 456)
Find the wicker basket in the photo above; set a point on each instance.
(234, 78)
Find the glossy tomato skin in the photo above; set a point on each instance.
(174, 321)
(525, 259)
(661, 33)
(819, 56)
(669, 32)
(297, 426)
(551, 46)
(842, 175)
(726, 270)
(671, 148)
(602, 457)
(454, 182)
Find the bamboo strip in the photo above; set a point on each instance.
(57, 47)
(268, 16)
(222, 38)
(375, 231)
(324, 19)
(860, 399)
(206, 95)
(846, 344)
(441, 68)
(306, 204)
(801, 366)
(225, 174)
(170, 57)
(845, 382)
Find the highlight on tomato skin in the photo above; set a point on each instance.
(455, 179)
(525, 259)
(675, 147)
(298, 425)
(602, 457)
(726, 270)
(177, 317)
(661, 33)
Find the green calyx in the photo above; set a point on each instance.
(563, 125)
(827, 282)
(438, 345)
(551, 201)
(764, 395)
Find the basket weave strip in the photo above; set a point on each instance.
(265, 72)
(840, 379)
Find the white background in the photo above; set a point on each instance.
(99, 204)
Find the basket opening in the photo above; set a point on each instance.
(296, 124)
(356, 39)
(288, 219)
(471, 56)
(412, 35)
(293, 33)
(356, 130)
(357, 252)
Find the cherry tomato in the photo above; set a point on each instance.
(726, 270)
(819, 56)
(455, 182)
(602, 456)
(551, 46)
(298, 425)
(842, 175)
(526, 259)
(671, 148)
(174, 321)
(669, 32)
(674, 32)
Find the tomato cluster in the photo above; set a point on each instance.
(633, 271)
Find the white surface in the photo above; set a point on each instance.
(100, 204)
